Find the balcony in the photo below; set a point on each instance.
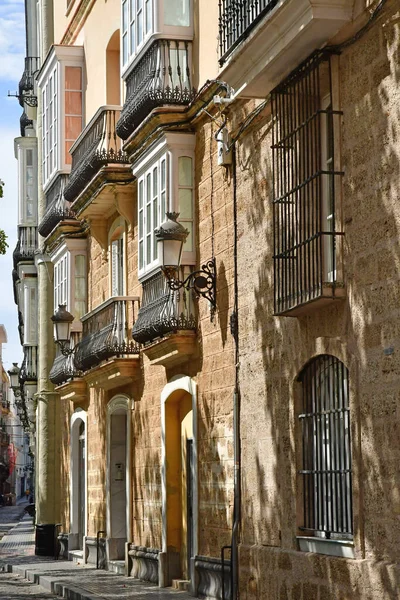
(98, 146)
(26, 245)
(57, 208)
(107, 346)
(63, 370)
(262, 41)
(166, 322)
(161, 78)
(236, 19)
(28, 372)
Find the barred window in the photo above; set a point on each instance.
(326, 449)
(306, 187)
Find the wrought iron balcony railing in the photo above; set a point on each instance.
(107, 333)
(26, 245)
(160, 78)
(163, 311)
(97, 145)
(64, 368)
(236, 19)
(57, 208)
(28, 370)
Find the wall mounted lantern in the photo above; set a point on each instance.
(19, 395)
(62, 320)
(14, 379)
(171, 236)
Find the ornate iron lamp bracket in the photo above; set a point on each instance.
(203, 282)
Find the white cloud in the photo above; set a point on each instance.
(12, 39)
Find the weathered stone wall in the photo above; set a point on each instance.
(362, 331)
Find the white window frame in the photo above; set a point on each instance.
(157, 29)
(169, 148)
(26, 192)
(117, 262)
(65, 256)
(51, 76)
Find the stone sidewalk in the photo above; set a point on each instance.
(68, 580)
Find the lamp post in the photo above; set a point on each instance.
(171, 236)
(62, 320)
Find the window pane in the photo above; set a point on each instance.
(188, 245)
(185, 171)
(141, 194)
(176, 12)
(185, 204)
(141, 255)
(124, 15)
(148, 16)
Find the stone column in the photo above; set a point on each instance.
(48, 493)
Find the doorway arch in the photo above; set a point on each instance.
(179, 478)
(78, 480)
(118, 487)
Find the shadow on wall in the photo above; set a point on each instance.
(368, 322)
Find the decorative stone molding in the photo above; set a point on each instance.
(143, 563)
(209, 577)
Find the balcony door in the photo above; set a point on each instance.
(180, 485)
(118, 512)
(78, 481)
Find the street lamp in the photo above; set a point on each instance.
(171, 236)
(14, 379)
(19, 396)
(62, 320)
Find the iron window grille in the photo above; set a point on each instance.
(306, 186)
(326, 449)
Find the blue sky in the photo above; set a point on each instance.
(12, 52)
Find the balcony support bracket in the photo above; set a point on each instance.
(100, 233)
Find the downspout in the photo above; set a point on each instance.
(234, 325)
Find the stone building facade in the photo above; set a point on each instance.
(263, 425)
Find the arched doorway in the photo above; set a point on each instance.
(78, 476)
(179, 479)
(118, 477)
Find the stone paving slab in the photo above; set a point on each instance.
(68, 580)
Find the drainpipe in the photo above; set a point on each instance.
(234, 325)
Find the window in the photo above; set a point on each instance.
(165, 183)
(61, 82)
(61, 282)
(306, 186)
(137, 24)
(117, 253)
(49, 124)
(26, 153)
(70, 273)
(324, 423)
(141, 17)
